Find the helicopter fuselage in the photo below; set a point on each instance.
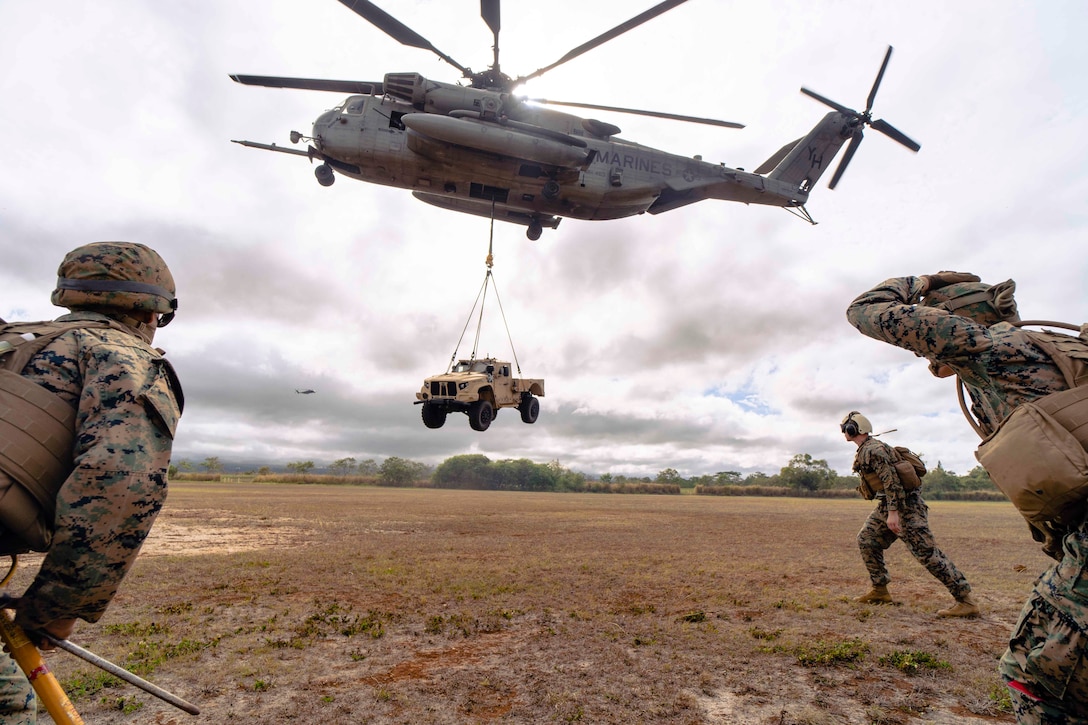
(535, 161)
(478, 149)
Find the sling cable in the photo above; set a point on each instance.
(481, 299)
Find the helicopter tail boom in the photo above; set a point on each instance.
(802, 163)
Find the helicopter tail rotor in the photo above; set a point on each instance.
(855, 126)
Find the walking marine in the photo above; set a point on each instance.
(901, 513)
(966, 328)
(88, 496)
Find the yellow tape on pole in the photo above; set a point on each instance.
(30, 660)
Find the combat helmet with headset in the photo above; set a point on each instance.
(855, 424)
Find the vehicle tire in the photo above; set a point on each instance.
(480, 415)
(551, 189)
(324, 175)
(433, 416)
(530, 409)
(534, 231)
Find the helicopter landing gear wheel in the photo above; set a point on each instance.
(324, 175)
(534, 231)
(551, 189)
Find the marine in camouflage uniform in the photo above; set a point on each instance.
(899, 514)
(963, 327)
(127, 404)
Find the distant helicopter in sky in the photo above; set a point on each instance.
(480, 149)
(305, 392)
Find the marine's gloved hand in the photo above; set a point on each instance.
(58, 629)
(943, 279)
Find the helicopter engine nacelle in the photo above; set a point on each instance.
(435, 97)
(494, 138)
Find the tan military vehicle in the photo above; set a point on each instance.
(479, 388)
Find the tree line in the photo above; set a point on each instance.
(802, 475)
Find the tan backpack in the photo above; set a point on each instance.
(1038, 456)
(37, 429)
(908, 466)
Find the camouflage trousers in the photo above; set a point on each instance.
(1048, 651)
(17, 703)
(875, 537)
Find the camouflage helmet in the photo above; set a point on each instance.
(855, 423)
(985, 304)
(119, 275)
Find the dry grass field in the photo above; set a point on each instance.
(317, 604)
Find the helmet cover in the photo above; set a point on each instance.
(985, 304)
(118, 275)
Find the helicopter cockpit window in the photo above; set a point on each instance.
(354, 105)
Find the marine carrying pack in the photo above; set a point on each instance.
(37, 429)
(908, 466)
(1038, 456)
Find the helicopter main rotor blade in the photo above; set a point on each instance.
(605, 37)
(895, 134)
(828, 102)
(850, 151)
(637, 112)
(489, 11)
(396, 29)
(311, 84)
(876, 83)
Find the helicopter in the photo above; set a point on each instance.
(480, 149)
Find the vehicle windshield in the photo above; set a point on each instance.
(473, 366)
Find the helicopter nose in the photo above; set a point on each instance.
(324, 122)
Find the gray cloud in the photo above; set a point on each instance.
(708, 338)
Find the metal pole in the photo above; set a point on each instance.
(123, 674)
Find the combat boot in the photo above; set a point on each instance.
(965, 606)
(877, 595)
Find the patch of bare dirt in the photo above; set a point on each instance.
(209, 531)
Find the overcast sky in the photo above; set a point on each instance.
(709, 338)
